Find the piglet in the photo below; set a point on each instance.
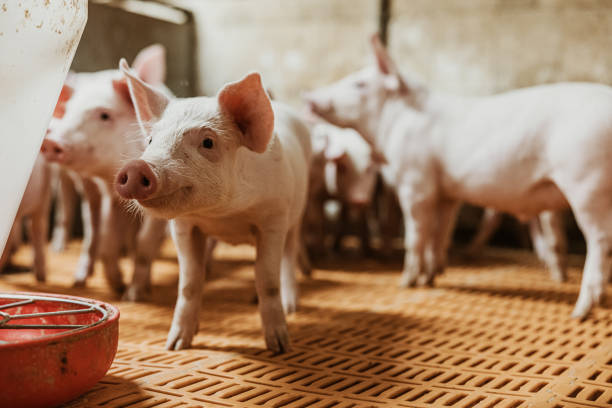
(344, 168)
(233, 167)
(531, 150)
(95, 133)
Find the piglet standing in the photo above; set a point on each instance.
(95, 134)
(522, 152)
(234, 167)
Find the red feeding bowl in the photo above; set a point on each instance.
(53, 348)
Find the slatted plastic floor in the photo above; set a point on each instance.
(494, 332)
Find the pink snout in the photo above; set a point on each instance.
(136, 180)
(53, 151)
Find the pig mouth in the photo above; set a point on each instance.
(166, 199)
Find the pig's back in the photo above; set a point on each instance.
(509, 144)
(294, 137)
(289, 127)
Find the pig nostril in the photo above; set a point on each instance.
(123, 178)
(145, 182)
(57, 150)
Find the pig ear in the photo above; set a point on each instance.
(150, 64)
(248, 104)
(386, 66)
(121, 87)
(64, 96)
(149, 103)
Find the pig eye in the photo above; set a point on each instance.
(150, 140)
(360, 84)
(104, 116)
(207, 143)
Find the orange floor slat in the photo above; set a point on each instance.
(495, 332)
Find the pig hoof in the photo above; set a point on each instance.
(58, 244)
(118, 287)
(179, 339)
(79, 283)
(588, 298)
(581, 311)
(41, 278)
(289, 304)
(425, 280)
(277, 339)
(407, 281)
(558, 275)
(136, 294)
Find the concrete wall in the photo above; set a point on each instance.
(486, 46)
(462, 46)
(296, 45)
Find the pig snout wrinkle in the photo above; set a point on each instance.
(53, 151)
(136, 180)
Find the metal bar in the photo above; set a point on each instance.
(10, 305)
(29, 299)
(43, 326)
(58, 313)
(383, 20)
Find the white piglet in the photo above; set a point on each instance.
(96, 135)
(233, 167)
(522, 152)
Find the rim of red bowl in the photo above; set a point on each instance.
(113, 316)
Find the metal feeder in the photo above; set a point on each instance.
(53, 348)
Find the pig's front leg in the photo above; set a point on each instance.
(550, 244)
(418, 210)
(191, 247)
(270, 244)
(149, 240)
(110, 244)
(91, 206)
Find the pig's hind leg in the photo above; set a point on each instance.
(445, 225)
(110, 244)
(191, 246)
(491, 219)
(39, 226)
(91, 213)
(67, 198)
(288, 284)
(550, 243)
(149, 240)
